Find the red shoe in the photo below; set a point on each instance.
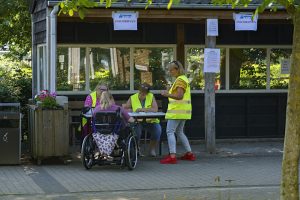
(168, 160)
(188, 156)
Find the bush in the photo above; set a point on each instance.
(15, 85)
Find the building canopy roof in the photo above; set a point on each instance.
(162, 4)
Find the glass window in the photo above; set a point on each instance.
(150, 66)
(110, 66)
(195, 64)
(42, 69)
(279, 79)
(71, 64)
(247, 68)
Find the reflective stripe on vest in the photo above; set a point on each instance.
(179, 102)
(136, 103)
(180, 109)
(94, 101)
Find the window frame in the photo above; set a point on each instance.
(131, 50)
(227, 48)
(174, 47)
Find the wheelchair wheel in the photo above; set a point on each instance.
(87, 151)
(131, 153)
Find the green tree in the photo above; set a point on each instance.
(15, 85)
(15, 27)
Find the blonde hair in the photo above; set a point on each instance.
(105, 100)
(176, 64)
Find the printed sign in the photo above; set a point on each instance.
(125, 20)
(212, 27)
(61, 58)
(141, 67)
(244, 22)
(211, 60)
(285, 66)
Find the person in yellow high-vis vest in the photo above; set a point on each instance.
(179, 110)
(93, 100)
(144, 101)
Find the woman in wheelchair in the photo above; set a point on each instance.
(107, 104)
(112, 141)
(92, 101)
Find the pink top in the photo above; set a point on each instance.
(89, 101)
(114, 107)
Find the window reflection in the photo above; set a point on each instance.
(195, 64)
(71, 64)
(247, 68)
(110, 66)
(42, 69)
(278, 78)
(150, 65)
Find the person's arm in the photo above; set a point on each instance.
(128, 106)
(177, 96)
(88, 101)
(126, 116)
(180, 87)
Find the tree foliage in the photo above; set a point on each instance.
(15, 27)
(291, 6)
(15, 81)
(69, 7)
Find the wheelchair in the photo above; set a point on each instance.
(125, 152)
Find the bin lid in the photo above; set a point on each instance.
(9, 107)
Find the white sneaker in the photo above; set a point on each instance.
(140, 154)
(152, 153)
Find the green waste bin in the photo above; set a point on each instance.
(10, 133)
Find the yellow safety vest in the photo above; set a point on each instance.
(94, 98)
(136, 103)
(180, 109)
(94, 101)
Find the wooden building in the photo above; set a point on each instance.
(71, 56)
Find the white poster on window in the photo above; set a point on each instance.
(245, 22)
(212, 27)
(211, 60)
(285, 66)
(125, 20)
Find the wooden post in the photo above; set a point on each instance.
(180, 43)
(209, 101)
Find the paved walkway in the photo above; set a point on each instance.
(240, 170)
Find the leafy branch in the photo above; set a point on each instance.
(70, 7)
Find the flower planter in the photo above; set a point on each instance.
(49, 132)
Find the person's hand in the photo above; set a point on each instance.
(165, 93)
(131, 120)
(140, 110)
